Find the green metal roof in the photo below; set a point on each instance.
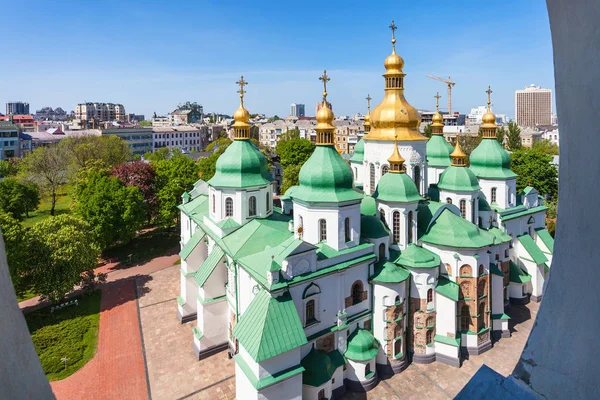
(326, 177)
(417, 257)
(362, 346)
(483, 204)
(267, 380)
(458, 179)
(527, 190)
(208, 266)
(448, 288)
(546, 238)
(532, 248)
(489, 160)
(359, 152)
(270, 326)
(191, 244)
(368, 206)
(495, 270)
(500, 316)
(455, 341)
(438, 151)
(396, 187)
(197, 206)
(320, 366)
(527, 211)
(241, 165)
(372, 227)
(517, 274)
(388, 272)
(501, 237)
(288, 193)
(228, 223)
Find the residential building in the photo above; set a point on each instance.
(186, 138)
(345, 131)
(9, 140)
(454, 119)
(135, 117)
(269, 133)
(549, 133)
(187, 113)
(25, 123)
(30, 141)
(297, 110)
(139, 139)
(49, 114)
(158, 121)
(474, 117)
(533, 106)
(17, 107)
(530, 136)
(100, 112)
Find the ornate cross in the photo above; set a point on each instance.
(324, 78)
(369, 103)
(393, 27)
(242, 83)
(437, 99)
(489, 92)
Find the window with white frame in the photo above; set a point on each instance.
(252, 206)
(229, 207)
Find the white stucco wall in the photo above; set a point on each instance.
(388, 209)
(506, 196)
(471, 203)
(445, 323)
(240, 202)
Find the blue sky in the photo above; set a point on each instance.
(151, 55)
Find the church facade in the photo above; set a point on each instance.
(406, 254)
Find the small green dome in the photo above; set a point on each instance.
(490, 160)
(458, 179)
(372, 227)
(241, 165)
(318, 368)
(359, 152)
(438, 151)
(417, 257)
(396, 187)
(362, 346)
(368, 206)
(388, 272)
(326, 177)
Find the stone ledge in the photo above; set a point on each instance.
(480, 349)
(364, 386)
(185, 318)
(423, 358)
(451, 361)
(205, 353)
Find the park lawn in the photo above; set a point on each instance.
(70, 332)
(150, 244)
(63, 206)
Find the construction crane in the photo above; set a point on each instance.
(450, 84)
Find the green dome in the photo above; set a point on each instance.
(359, 152)
(396, 187)
(388, 272)
(372, 227)
(490, 160)
(438, 151)
(318, 368)
(458, 179)
(362, 346)
(241, 165)
(368, 206)
(326, 177)
(417, 257)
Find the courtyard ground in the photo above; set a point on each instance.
(174, 372)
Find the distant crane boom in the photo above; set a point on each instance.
(449, 83)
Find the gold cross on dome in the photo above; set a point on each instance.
(369, 102)
(242, 83)
(393, 27)
(324, 78)
(489, 92)
(437, 99)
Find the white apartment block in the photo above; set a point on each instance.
(186, 138)
(474, 117)
(533, 106)
(100, 112)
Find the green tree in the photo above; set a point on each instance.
(513, 137)
(114, 211)
(546, 146)
(15, 243)
(535, 168)
(86, 151)
(47, 166)
(161, 154)
(293, 153)
(18, 198)
(9, 167)
(60, 251)
(500, 135)
(468, 143)
(290, 134)
(273, 118)
(219, 143)
(145, 123)
(290, 177)
(427, 131)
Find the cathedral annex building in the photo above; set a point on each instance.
(403, 255)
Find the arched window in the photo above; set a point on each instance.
(465, 290)
(430, 295)
(214, 203)
(481, 288)
(417, 177)
(397, 299)
(448, 200)
(367, 369)
(463, 208)
(310, 312)
(397, 331)
(509, 195)
(465, 318)
(384, 170)
(396, 226)
(481, 269)
(398, 347)
(466, 270)
(410, 227)
(268, 198)
(481, 316)
(347, 232)
(372, 178)
(252, 206)
(429, 336)
(229, 207)
(493, 196)
(357, 292)
(322, 230)
(382, 216)
(449, 269)
(321, 395)
(381, 252)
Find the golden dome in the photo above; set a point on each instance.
(241, 127)
(489, 119)
(241, 114)
(437, 118)
(394, 63)
(325, 128)
(396, 160)
(458, 156)
(324, 116)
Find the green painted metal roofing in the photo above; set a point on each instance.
(197, 206)
(447, 340)
(208, 266)
(362, 346)
(228, 223)
(500, 316)
(546, 238)
(326, 177)
(388, 272)
(320, 366)
(527, 211)
(483, 204)
(372, 227)
(368, 206)
(489, 160)
(270, 326)
(288, 193)
(495, 270)
(191, 244)
(417, 257)
(532, 248)
(267, 380)
(241, 165)
(458, 179)
(448, 288)
(395, 187)
(517, 274)
(527, 190)
(359, 152)
(438, 151)
(501, 236)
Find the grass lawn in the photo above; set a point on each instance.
(63, 206)
(148, 245)
(71, 332)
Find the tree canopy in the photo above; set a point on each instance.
(85, 151)
(513, 138)
(48, 167)
(501, 135)
(535, 168)
(143, 176)
(18, 198)
(427, 131)
(546, 146)
(293, 153)
(15, 243)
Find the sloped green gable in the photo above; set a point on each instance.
(208, 266)
(417, 257)
(388, 272)
(546, 238)
(372, 227)
(448, 288)
(517, 275)
(191, 244)
(532, 248)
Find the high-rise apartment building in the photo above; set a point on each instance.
(17, 107)
(100, 112)
(297, 110)
(533, 106)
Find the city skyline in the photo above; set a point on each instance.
(235, 40)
